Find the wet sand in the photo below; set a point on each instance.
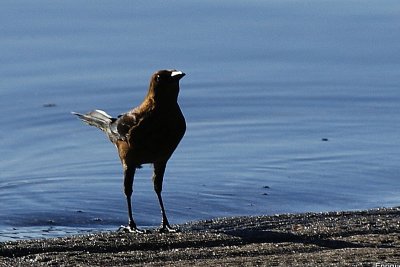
(360, 238)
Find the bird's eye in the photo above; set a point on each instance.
(158, 77)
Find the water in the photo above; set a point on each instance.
(267, 82)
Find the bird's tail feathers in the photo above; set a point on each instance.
(97, 118)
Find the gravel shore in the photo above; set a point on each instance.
(357, 238)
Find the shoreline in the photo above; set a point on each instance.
(348, 238)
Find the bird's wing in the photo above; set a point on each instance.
(124, 123)
(142, 133)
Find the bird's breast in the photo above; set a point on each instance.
(156, 137)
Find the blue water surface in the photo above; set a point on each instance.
(291, 106)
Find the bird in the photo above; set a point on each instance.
(147, 134)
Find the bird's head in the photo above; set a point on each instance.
(164, 85)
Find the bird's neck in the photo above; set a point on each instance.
(151, 104)
(160, 101)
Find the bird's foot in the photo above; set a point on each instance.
(130, 229)
(168, 229)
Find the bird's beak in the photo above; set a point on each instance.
(177, 74)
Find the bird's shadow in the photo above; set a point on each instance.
(266, 236)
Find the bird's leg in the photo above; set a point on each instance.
(129, 174)
(159, 169)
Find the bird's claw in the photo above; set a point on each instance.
(168, 229)
(129, 229)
